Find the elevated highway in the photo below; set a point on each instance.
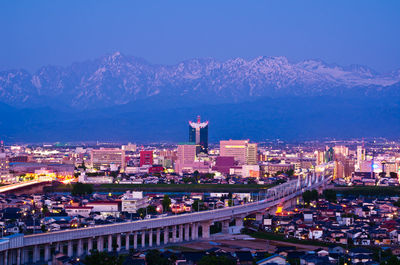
(28, 249)
(20, 185)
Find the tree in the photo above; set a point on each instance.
(166, 203)
(154, 257)
(330, 195)
(45, 210)
(197, 205)
(306, 196)
(149, 210)
(83, 166)
(309, 196)
(81, 189)
(393, 260)
(103, 258)
(214, 260)
(290, 172)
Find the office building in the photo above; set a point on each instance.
(129, 147)
(187, 159)
(198, 134)
(251, 154)
(4, 164)
(243, 151)
(360, 157)
(146, 158)
(105, 157)
(341, 150)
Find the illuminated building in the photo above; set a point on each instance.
(133, 201)
(341, 150)
(104, 157)
(187, 159)
(360, 156)
(4, 166)
(198, 133)
(325, 156)
(129, 147)
(186, 155)
(242, 151)
(251, 154)
(273, 168)
(146, 158)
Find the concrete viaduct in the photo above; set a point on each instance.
(39, 248)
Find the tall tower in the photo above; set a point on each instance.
(198, 133)
(360, 156)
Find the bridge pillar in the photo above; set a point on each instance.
(5, 261)
(239, 221)
(143, 238)
(187, 232)
(100, 244)
(70, 249)
(135, 240)
(180, 233)
(36, 254)
(19, 256)
(109, 243)
(79, 250)
(158, 236)
(119, 242)
(174, 234)
(205, 227)
(259, 216)
(150, 237)
(195, 231)
(58, 247)
(23, 256)
(166, 234)
(127, 241)
(46, 252)
(225, 226)
(89, 245)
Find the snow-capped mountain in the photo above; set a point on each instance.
(119, 79)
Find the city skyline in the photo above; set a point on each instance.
(200, 133)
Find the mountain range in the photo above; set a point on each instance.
(119, 79)
(120, 97)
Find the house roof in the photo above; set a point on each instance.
(270, 258)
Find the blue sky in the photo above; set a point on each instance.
(36, 33)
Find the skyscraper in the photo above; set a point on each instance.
(251, 154)
(198, 134)
(360, 156)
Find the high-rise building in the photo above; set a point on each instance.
(146, 158)
(341, 150)
(4, 164)
(360, 157)
(198, 133)
(245, 153)
(251, 154)
(105, 157)
(186, 156)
